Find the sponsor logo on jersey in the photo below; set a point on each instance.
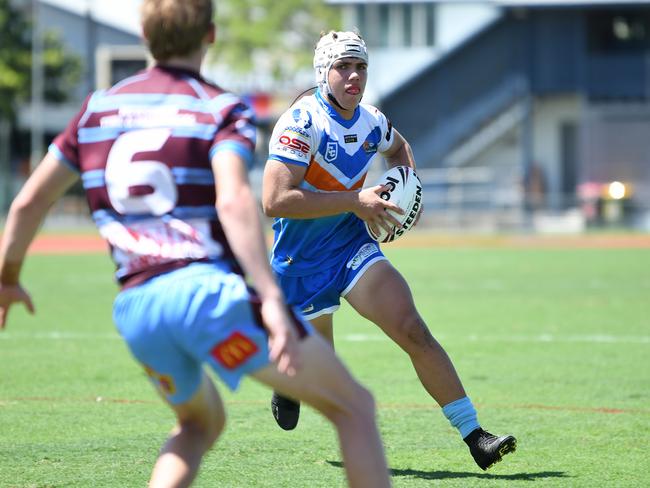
(350, 138)
(294, 142)
(234, 351)
(148, 117)
(370, 147)
(362, 254)
(331, 152)
(308, 308)
(302, 117)
(163, 382)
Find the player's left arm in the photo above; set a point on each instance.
(238, 212)
(46, 185)
(399, 153)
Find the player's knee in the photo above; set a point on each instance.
(357, 406)
(217, 425)
(413, 335)
(366, 402)
(206, 429)
(364, 409)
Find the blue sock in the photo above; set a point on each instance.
(462, 415)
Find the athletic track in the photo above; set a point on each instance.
(92, 243)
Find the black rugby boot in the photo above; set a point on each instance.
(285, 411)
(488, 449)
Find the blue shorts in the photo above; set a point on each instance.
(320, 293)
(202, 313)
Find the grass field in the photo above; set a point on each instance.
(553, 346)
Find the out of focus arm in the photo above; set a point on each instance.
(238, 213)
(47, 184)
(239, 216)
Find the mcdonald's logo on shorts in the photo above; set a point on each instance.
(234, 351)
(164, 382)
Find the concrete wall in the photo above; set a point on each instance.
(454, 21)
(506, 156)
(548, 116)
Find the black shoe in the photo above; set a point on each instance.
(488, 449)
(285, 411)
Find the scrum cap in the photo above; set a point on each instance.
(333, 46)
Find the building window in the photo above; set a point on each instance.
(431, 24)
(622, 30)
(407, 24)
(360, 21)
(401, 24)
(422, 24)
(384, 24)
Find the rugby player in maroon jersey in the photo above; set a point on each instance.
(163, 160)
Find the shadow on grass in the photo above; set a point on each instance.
(442, 475)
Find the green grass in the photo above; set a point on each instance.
(553, 346)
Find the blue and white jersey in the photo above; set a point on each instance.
(337, 154)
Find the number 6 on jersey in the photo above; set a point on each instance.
(140, 187)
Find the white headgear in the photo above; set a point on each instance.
(333, 46)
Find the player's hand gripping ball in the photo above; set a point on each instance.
(403, 188)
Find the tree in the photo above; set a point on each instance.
(61, 72)
(61, 69)
(281, 35)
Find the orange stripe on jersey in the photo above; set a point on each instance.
(319, 178)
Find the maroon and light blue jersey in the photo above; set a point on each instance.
(143, 149)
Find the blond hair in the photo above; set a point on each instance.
(174, 28)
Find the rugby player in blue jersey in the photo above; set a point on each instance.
(320, 152)
(163, 160)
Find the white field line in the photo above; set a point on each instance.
(537, 338)
(57, 336)
(587, 338)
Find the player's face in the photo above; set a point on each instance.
(347, 80)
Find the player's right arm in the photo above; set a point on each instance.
(46, 185)
(283, 197)
(291, 149)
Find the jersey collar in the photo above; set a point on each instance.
(179, 71)
(331, 111)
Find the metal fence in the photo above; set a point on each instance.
(464, 199)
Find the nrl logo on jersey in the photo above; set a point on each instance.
(331, 152)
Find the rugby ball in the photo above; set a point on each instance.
(403, 188)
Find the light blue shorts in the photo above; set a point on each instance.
(202, 313)
(320, 293)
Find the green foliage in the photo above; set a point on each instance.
(280, 34)
(61, 70)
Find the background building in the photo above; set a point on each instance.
(518, 105)
(521, 113)
(108, 47)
